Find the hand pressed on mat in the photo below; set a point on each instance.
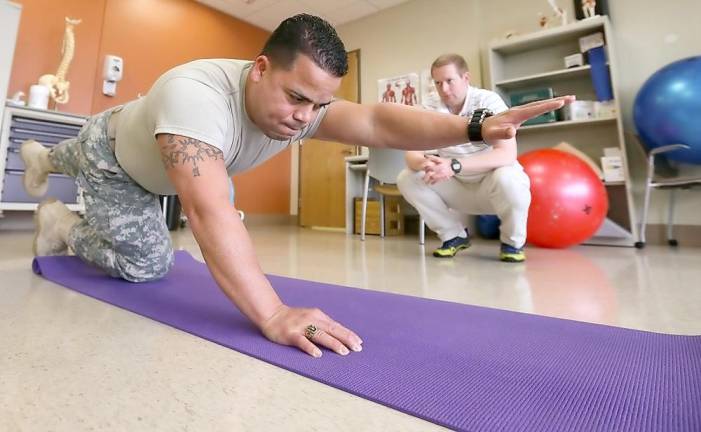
(306, 328)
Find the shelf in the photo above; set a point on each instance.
(33, 206)
(536, 60)
(46, 113)
(356, 158)
(553, 36)
(567, 124)
(558, 75)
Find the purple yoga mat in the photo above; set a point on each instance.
(465, 367)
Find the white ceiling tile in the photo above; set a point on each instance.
(384, 4)
(239, 8)
(353, 11)
(269, 17)
(268, 14)
(327, 6)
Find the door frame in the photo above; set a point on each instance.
(295, 160)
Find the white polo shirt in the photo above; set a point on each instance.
(475, 98)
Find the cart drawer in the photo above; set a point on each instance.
(60, 186)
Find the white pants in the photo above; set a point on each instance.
(504, 192)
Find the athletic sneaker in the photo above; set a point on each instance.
(450, 247)
(509, 253)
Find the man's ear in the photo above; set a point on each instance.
(261, 65)
(467, 77)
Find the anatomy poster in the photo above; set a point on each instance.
(402, 89)
(429, 95)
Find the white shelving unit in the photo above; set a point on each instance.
(537, 60)
(9, 23)
(49, 128)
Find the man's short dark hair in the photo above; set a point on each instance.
(311, 36)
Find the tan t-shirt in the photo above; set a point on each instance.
(204, 100)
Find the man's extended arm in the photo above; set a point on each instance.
(408, 128)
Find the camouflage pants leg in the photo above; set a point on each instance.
(124, 231)
(65, 157)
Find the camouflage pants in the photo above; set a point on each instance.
(123, 231)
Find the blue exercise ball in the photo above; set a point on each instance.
(488, 226)
(667, 109)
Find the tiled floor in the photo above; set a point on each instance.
(71, 363)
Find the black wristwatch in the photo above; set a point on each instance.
(455, 165)
(474, 126)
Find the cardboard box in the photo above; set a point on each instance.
(613, 168)
(578, 110)
(372, 217)
(612, 151)
(394, 218)
(574, 60)
(591, 41)
(605, 110)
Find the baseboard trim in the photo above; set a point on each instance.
(686, 235)
(266, 219)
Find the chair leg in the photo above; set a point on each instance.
(646, 205)
(670, 219)
(365, 205)
(643, 221)
(382, 216)
(422, 231)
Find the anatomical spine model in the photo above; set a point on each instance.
(57, 84)
(559, 14)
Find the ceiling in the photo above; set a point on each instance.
(268, 14)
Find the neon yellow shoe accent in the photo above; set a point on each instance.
(511, 254)
(451, 247)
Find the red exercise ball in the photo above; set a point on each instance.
(568, 200)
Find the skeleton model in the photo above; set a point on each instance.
(57, 84)
(545, 21)
(559, 13)
(589, 8)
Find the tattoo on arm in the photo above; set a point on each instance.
(183, 150)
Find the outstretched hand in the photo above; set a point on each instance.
(504, 125)
(307, 329)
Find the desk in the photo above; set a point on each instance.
(356, 166)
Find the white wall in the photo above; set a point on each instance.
(649, 34)
(406, 39)
(9, 23)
